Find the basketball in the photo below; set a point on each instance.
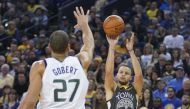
(113, 26)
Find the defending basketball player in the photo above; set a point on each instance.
(120, 93)
(61, 80)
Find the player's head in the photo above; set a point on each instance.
(59, 42)
(124, 74)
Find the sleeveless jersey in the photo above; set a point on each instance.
(64, 85)
(123, 98)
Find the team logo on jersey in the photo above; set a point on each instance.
(125, 103)
(169, 106)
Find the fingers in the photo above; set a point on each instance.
(76, 26)
(88, 12)
(81, 10)
(132, 36)
(117, 38)
(127, 40)
(75, 14)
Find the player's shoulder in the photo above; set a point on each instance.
(38, 65)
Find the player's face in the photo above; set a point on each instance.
(124, 74)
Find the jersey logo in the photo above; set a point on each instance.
(125, 100)
(125, 103)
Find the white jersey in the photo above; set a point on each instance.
(64, 85)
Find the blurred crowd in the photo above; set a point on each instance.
(162, 45)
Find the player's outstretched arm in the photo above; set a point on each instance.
(138, 80)
(86, 52)
(109, 76)
(32, 95)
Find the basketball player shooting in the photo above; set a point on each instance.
(61, 80)
(120, 93)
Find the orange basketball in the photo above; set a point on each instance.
(113, 26)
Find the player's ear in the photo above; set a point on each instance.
(49, 47)
(68, 48)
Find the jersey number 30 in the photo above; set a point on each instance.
(64, 89)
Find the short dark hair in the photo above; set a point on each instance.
(124, 65)
(59, 41)
(170, 87)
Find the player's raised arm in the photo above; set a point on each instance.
(32, 95)
(109, 76)
(86, 52)
(138, 80)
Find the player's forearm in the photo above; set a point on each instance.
(26, 105)
(135, 63)
(110, 61)
(88, 39)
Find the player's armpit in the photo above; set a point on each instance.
(109, 94)
(84, 59)
(138, 84)
(34, 89)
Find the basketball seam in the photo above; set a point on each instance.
(114, 26)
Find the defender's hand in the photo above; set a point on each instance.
(82, 19)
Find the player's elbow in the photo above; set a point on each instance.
(27, 105)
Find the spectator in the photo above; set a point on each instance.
(160, 65)
(15, 66)
(172, 102)
(185, 89)
(2, 60)
(176, 57)
(139, 29)
(177, 82)
(3, 38)
(11, 51)
(13, 32)
(32, 6)
(186, 46)
(153, 11)
(154, 82)
(20, 84)
(147, 56)
(157, 103)
(161, 90)
(154, 60)
(12, 102)
(147, 99)
(160, 33)
(5, 77)
(167, 21)
(174, 40)
(91, 95)
(163, 50)
(186, 63)
(185, 102)
(40, 19)
(24, 45)
(100, 98)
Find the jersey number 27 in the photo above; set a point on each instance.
(64, 89)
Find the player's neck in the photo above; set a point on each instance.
(59, 57)
(124, 85)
